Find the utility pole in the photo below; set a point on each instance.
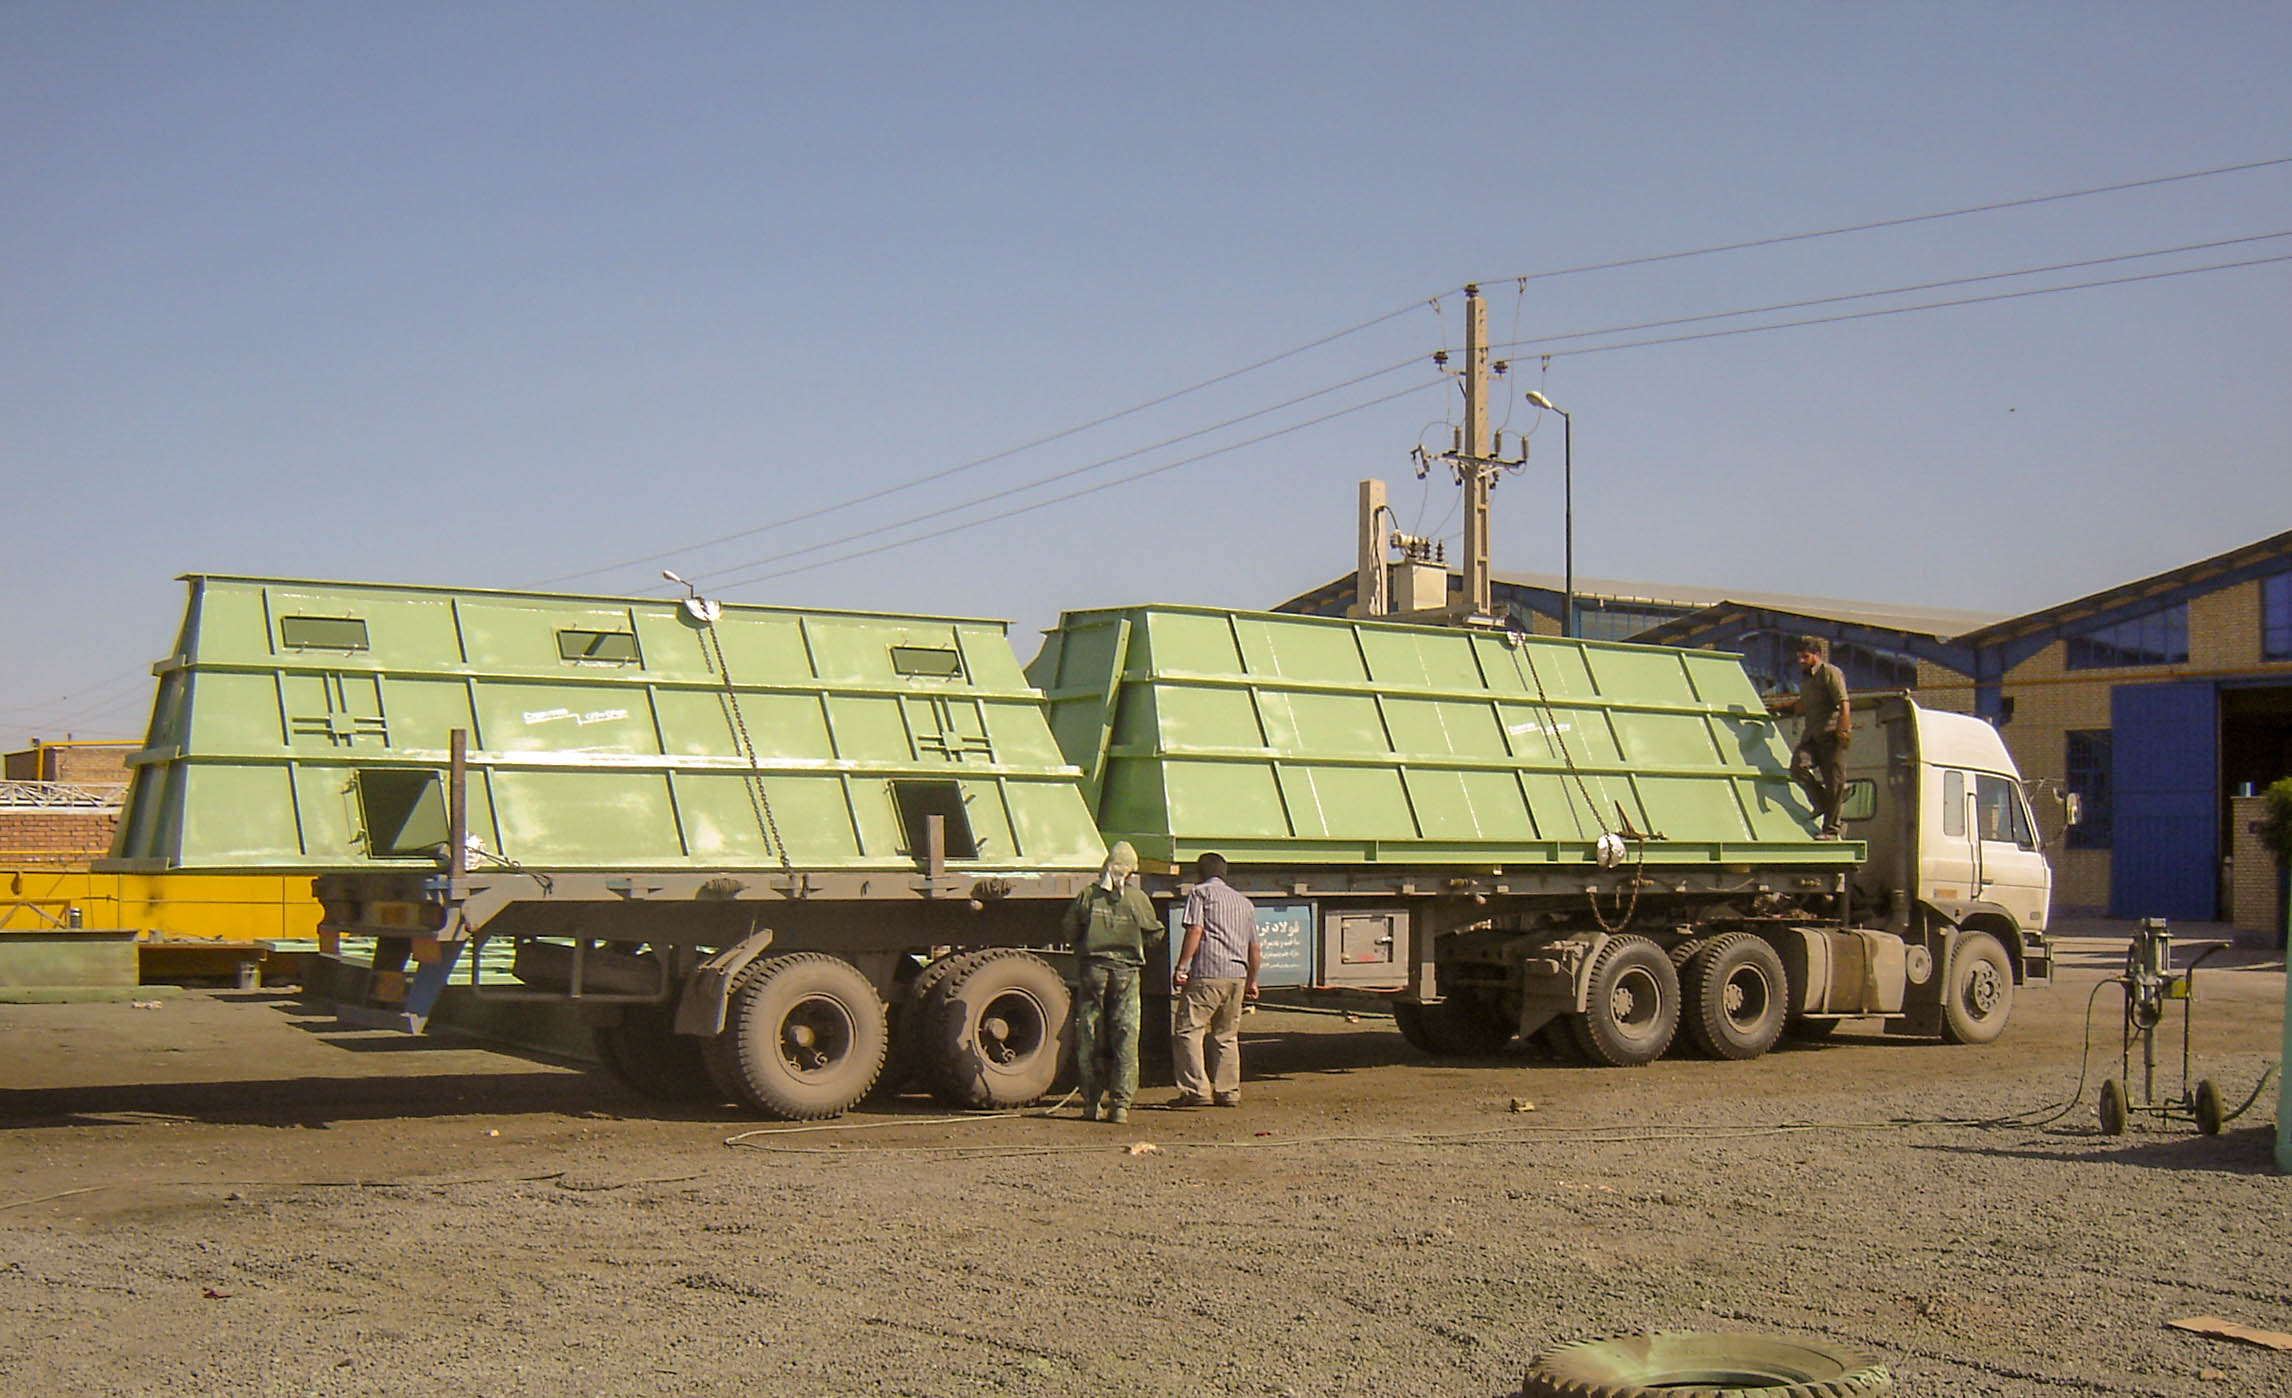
(1473, 460)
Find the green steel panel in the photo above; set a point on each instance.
(1309, 739)
(300, 724)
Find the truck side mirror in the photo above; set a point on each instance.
(2072, 807)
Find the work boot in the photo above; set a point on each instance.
(1119, 1116)
(1090, 1110)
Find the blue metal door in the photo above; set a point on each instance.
(2166, 856)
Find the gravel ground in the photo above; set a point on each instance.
(225, 1195)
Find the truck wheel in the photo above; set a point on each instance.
(998, 1031)
(804, 1039)
(646, 1055)
(1978, 994)
(1734, 997)
(1631, 1006)
(1462, 1026)
(1704, 1362)
(906, 1022)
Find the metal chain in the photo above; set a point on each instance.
(757, 798)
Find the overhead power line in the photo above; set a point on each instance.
(1434, 301)
(1905, 310)
(1005, 454)
(1086, 469)
(1030, 508)
(1896, 290)
(1904, 221)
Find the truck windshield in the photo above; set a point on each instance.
(1998, 807)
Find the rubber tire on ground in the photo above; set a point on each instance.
(1977, 990)
(1733, 996)
(999, 1030)
(1631, 1007)
(2208, 1117)
(2111, 1108)
(1462, 1026)
(1708, 1364)
(804, 1037)
(905, 1021)
(646, 1055)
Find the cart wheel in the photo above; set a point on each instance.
(2207, 1107)
(2112, 1108)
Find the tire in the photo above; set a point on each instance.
(999, 1030)
(1733, 997)
(2111, 1109)
(646, 1055)
(1704, 1362)
(905, 1022)
(1977, 990)
(1632, 1005)
(804, 1039)
(1462, 1026)
(2208, 1118)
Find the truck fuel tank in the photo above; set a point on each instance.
(1845, 970)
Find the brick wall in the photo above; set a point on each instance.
(73, 764)
(2252, 903)
(56, 834)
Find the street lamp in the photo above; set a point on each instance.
(1567, 506)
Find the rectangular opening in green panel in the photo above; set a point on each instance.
(918, 800)
(404, 811)
(616, 647)
(322, 632)
(935, 662)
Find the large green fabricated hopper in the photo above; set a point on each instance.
(1281, 739)
(306, 725)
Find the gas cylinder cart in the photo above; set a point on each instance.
(2150, 983)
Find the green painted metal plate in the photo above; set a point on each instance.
(305, 725)
(1289, 739)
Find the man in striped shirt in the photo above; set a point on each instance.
(1216, 972)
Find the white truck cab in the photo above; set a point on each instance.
(1937, 800)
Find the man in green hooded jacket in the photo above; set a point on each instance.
(1108, 924)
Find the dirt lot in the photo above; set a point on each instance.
(226, 1194)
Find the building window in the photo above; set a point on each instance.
(1772, 659)
(2158, 638)
(2089, 780)
(2276, 617)
(1599, 619)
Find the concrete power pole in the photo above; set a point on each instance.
(1474, 462)
(1370, 593)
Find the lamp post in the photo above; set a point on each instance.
(1567, 506)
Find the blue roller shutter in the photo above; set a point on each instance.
(2167, 743)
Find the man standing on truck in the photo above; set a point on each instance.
(1818, 763)
(1216, 972)
(1108, 924)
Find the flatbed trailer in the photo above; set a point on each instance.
(789, 858)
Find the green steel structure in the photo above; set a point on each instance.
(780, 857)
(1282, 739)
(305, 725)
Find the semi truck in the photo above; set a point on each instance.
(788, 858)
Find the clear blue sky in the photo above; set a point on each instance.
(489, 295)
